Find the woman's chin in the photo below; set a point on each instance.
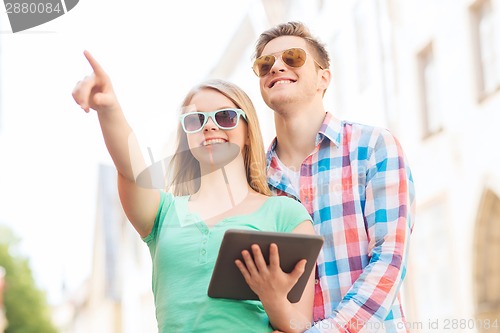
(216, 156)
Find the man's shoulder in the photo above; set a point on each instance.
(356, 127)
(367, 135)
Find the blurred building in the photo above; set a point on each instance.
(430, 72)
(117, 297)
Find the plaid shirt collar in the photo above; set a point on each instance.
(330, 129)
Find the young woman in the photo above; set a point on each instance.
(217, 182)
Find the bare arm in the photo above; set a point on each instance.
(272, 285)
(96, 92)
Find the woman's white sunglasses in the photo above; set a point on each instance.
(225, 119)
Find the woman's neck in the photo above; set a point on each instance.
(222, 191)
(224, 185)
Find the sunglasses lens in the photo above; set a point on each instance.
(194, 121)
(226, 118)
(263, 65)
(294, 57)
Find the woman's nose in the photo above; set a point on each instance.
(210, 125)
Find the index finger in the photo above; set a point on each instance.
(98, 70)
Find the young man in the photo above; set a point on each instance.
(353, 179)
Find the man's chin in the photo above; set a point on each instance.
(279, 102)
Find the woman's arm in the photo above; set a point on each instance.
(96, 92)
(272, 285)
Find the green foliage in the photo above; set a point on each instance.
(26, 306)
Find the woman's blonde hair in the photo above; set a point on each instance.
(184, 169)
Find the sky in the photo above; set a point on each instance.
(153, 50)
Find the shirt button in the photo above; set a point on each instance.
(316, 281)
(203, 251)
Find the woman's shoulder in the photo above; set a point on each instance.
(289, 213)
(167, 199)
(285, 203)
(283, 199)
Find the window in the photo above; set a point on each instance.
(486, 49)
(487, 265)
(432, 119)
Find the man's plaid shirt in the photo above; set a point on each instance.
(358, 188)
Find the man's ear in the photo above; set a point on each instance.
(325, 78)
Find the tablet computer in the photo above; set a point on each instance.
(227, 280)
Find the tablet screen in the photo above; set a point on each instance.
(227, 280)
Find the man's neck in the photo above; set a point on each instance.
(296, 132)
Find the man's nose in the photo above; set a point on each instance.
(278, 66)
